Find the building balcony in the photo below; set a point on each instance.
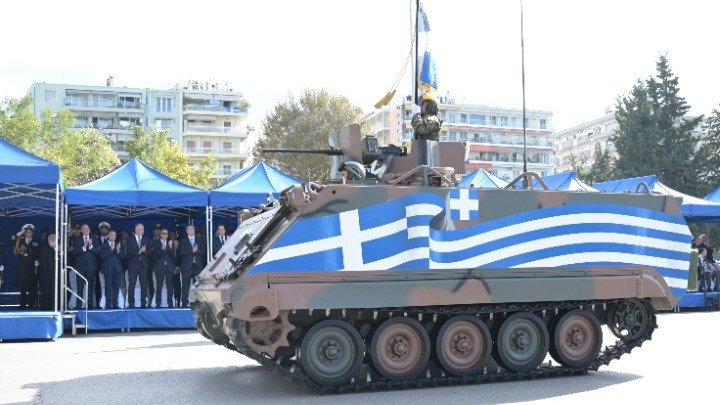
(220, 153)
(224, 173)
(74, 103)
(214, 109)
(213, 130)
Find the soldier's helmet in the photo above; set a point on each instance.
(355, 170)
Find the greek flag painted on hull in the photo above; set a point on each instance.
(426, 231)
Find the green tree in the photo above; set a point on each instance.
(708, 157)
(83, 156)
(653, 135)
(305, 124)
(602, 167)
(154, 148)
(18, 125)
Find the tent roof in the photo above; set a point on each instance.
(566, 181)
(26, 180)
(481, 178)
(250, 187)
(136, 184)
(19, 166)
(693, 208)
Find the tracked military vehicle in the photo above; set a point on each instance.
(398, 278)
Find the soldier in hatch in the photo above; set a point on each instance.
(426, 123)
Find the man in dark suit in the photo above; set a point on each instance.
(137, 250)
(86, 250)
(219, 239)
(112, 255)
(151, 268)
(163, 254)
(192, 260)
(103, 229)
(27, 251)
(48, 254)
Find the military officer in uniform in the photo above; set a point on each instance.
(426, 123)
(163, 253)
(86, 250)
(192, 260)
(27, 251)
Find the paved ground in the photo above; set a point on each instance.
(681, 363)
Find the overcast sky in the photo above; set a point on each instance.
(580, 55)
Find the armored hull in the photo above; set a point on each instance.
(378, 286)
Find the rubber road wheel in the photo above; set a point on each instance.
(577, 339)
(331, 352)
(463, 345)
(400, 348)
(521, 342)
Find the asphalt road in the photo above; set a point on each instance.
(681, 363)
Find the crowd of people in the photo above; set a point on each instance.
(707, 268)
(112, 264)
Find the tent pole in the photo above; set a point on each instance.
(209, 225)
(64, 243)
(58, 218)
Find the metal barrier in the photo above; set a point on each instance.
(84, 298)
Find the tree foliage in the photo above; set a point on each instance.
(305, 124)
(601, 168)
(154, 148)
(653, 135)
(708, 157)
(83, 156)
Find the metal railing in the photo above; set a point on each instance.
(212, 129)
(218, 151)
(84, 298)
(215, 108)
(75, 102)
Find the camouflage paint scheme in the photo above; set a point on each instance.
(265, 287)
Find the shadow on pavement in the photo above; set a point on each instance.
(254, 383)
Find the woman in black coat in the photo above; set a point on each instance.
(47, 271)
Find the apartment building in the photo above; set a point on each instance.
(494, 137)
(203, 119)
(575, 146)
(386, 124)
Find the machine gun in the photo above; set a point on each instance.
(348, 145)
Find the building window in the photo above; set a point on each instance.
(226, 169)
(227, 147)
(50, 95)
(452, 136)
(474, 119)
(163, 104)
(503, 121)
(190, 145)
(513, 121)
(463, 136)
(463, 118)
(163, 124)
(543, 123)
(481, 120)
(452, 117)
(493, 120)
(527, 122)
(207, 146)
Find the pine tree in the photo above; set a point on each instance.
(707, 160)
(653, 137)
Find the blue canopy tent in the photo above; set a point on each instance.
(248, 188)
(695, 210)
(481, 178)
(30, 187)
(136, 191)
(565, 181)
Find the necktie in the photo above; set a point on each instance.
(222, 240)
(192, 242)
(138, 240)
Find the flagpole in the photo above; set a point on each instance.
(522, 51)
(417, 68)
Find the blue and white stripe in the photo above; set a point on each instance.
(411, 233)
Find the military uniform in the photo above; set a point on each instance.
(426, 127)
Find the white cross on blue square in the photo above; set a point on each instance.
(464, 204)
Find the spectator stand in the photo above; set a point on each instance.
(481, 178)
(247, 189)
(135, 192)
(30, 192)
(695, 210)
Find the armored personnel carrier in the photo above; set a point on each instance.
(390, 276)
